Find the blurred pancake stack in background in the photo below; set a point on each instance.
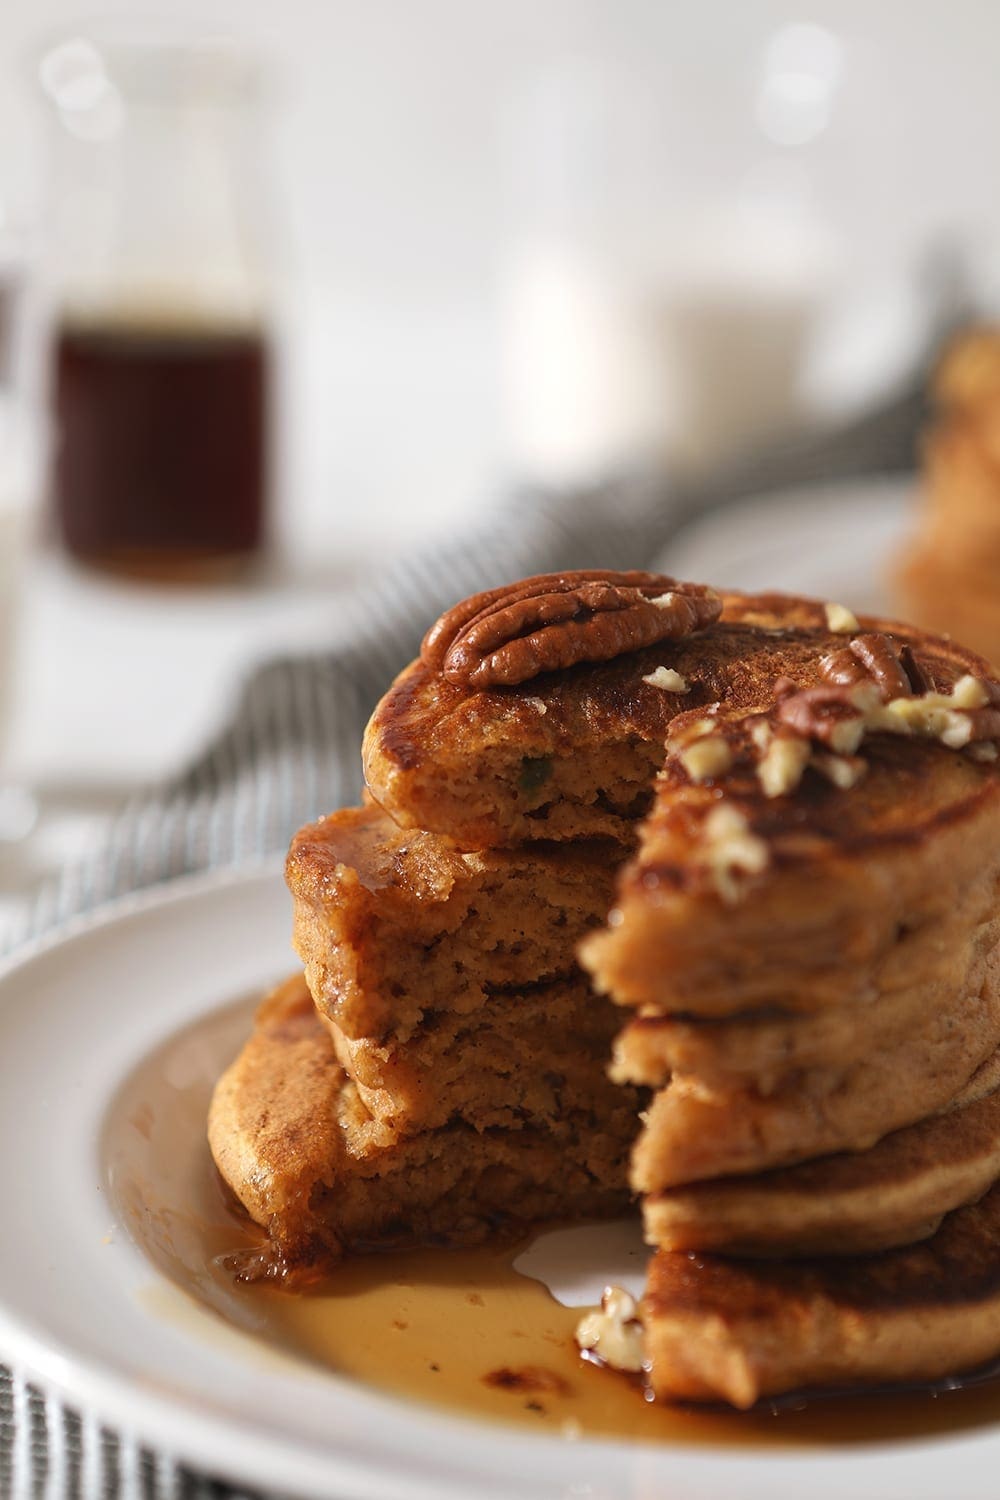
(948, 579)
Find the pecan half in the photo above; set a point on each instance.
(556, 620)
(870, 658)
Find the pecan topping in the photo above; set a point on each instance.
(827, 714)
(880, 658)
(841, 714)
(782, 763)
(920, 678)
(984, 723)
(557, 620)
(873, 658)
(614, 1335)
(842, 668)
(840, 619)
(733, 853)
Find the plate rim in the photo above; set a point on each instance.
(126, 904)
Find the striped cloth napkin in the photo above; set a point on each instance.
(292, 751)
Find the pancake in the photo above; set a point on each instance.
(573, 753)
(692, 1131)
(292, 1139)
(962, 474)
(821, 851)
(737, 1330)
(568, 753)
(958, 598)
(528, 1058)
(394, 926)
(917, 979)
(893, 1194)
(946, 576)
(859, 892)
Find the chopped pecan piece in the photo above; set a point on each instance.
(840, 619)
(783, 763)
(613, 1336)
(841, 714)
(844, 771)
(733, 853)
(706, 758)
(985, 724)
(554, 621)
(827, 714)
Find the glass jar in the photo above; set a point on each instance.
(159, 316)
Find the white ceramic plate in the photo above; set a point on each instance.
(127, 1018)
(81, 1306)
(830, 541)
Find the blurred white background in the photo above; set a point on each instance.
(404, 192)
(536, 240)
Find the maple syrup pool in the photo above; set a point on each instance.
(469, 1331)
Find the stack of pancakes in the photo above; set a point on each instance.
(773, 836)
(948, 578)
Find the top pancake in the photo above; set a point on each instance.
(574, 753)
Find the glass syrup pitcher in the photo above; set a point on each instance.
(160, 348)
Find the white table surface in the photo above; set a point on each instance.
(118, 685)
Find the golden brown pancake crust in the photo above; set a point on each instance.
(920, 974)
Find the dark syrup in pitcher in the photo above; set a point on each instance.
(161, 466)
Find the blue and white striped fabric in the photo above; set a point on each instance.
(292, 751)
